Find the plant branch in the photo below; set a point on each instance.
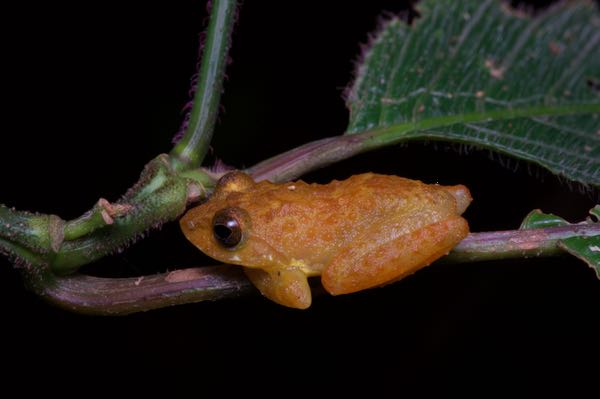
(119, 296)
(48, 245)
(101, 215)
(317, 154)
(515, 244)
(46, 241)
(95, 295)
(191, 149)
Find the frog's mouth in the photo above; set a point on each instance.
(259, 255)
(273, 263)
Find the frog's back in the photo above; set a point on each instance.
(311, 221)
(374, 194)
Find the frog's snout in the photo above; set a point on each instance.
(192, 225)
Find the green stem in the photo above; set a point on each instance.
(31, 232)
(95, 295)
(24, 254)
(190, 151)
(103, 214)
(161, 195)
(167, 185)
(46, 241)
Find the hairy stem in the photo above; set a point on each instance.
(48, 245)
(129, 295)
(101, 215)
(47, 241)
(190, 151)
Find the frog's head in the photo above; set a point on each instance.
(223, 227)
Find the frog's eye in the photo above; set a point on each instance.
(227, 227)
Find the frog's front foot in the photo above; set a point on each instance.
(288, 287)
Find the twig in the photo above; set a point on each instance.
(119, 296)
(128, 295)
(192, 148)
(47, 241)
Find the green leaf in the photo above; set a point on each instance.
(586, 248)
(595, 212)
(478, 73)
(536, 219)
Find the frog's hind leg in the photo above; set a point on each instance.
(378, 261)
(286, 287)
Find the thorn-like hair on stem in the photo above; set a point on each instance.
(187, 108)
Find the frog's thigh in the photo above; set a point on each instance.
(286, 287)
(369, 264)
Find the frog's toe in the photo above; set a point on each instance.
(462, 195)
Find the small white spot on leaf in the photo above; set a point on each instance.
(496, 71)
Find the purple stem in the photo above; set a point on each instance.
(109, 296)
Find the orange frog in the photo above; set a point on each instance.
(363, 232)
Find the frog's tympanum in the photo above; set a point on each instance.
(363, 232)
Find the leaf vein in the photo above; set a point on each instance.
(392, 79)
(576, 132)
(466, 29)
(576, 63)
(524, 140)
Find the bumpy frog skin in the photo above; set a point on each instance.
(363, 232)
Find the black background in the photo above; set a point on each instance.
(92, 92)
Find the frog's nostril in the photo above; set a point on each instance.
(191, 225)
